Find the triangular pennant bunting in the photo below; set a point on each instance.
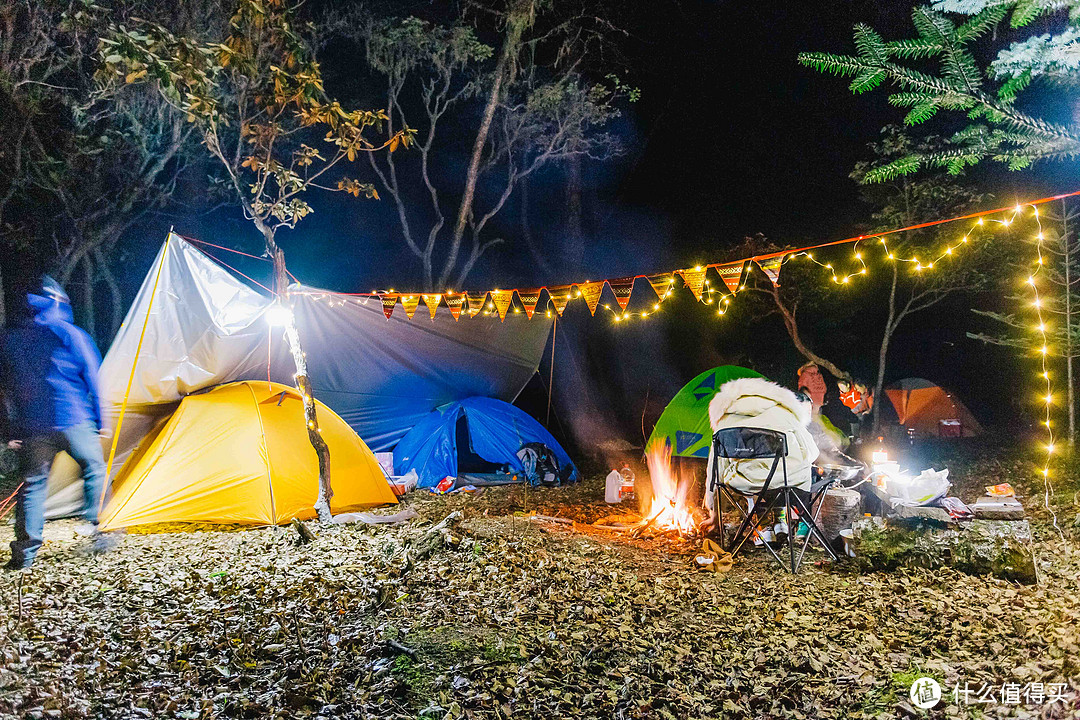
(476, 304)
(560, 295)
(389, 300)
(502, 300)
(771, 268)
(410, 303)
(454, 302)
(694, 279)
(662, 284)
(529, 297)
(432, 302)
(731, 275)
(591, 291)
(622, 287)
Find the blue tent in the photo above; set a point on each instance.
(493, 430)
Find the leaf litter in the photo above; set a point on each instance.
(507, 617)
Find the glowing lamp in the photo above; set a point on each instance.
(880, 455)
(278, 315)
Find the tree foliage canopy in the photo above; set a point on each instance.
(79, 167)
(938, 71)
(257, 97)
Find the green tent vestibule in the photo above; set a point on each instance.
(684, 424)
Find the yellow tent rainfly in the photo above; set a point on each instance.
(239, 454)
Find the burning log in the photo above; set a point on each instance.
(669, 509)
(640, 530)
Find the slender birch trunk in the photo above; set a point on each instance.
(303, 382)
(879, 386)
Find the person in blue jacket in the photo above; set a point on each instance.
(49, 381)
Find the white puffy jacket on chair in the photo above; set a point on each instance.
(758, 403)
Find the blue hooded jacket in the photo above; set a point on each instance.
(49, 367)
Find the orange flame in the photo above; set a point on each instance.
(669, 505)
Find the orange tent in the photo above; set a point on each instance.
(930, 410)
(240, 454)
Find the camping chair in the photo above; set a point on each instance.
(749, 443)
(819, 484)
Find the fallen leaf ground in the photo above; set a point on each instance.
(523, 619)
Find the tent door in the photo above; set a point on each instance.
(468, 460)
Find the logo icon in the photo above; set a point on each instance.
(925, 693)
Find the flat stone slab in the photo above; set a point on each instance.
(922, 512)
(998, 508)
(979, 547)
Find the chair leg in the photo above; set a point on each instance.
(733, 500)
(744, 533)
(745, 530)
(811, 514)
(740, 536)
(718, 503)
(813, 531)
(790, 542)
(773, 553)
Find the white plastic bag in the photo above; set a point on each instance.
(924, 489)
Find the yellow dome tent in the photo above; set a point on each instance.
(240, 454)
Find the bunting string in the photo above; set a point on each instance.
(698, 279)
(733, 275)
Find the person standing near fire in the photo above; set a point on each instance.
(49, 381)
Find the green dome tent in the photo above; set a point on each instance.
(684, 424)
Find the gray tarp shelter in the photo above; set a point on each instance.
(381, 375)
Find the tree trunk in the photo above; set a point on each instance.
(792, 327)
(890, 327)
(89, 323)
(516, 23)
(3, 307)
(116, 298)
(303, 383)
(575, 221)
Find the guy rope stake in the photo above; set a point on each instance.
(131, 379)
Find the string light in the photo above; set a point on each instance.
(1044, 353)
(706, 293)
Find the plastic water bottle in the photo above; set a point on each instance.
(627, 489)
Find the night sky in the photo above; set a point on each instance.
(731, 137)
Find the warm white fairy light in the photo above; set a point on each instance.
(1044, 353)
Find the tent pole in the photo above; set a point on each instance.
(131, 379)
(551, 372)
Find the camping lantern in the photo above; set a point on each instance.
(880, 455)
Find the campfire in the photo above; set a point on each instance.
(665, 511)
(668, 508)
